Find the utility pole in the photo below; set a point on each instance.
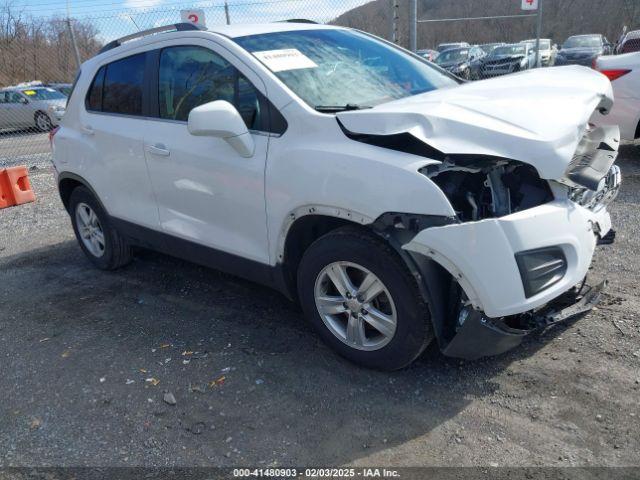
(538, 34)
(413, 25)
(393, 17)
(226, 12)
(72, 36)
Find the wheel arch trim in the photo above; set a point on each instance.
(315, 210)
(62, 176)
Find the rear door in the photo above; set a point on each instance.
(206, 191)
(111, 131)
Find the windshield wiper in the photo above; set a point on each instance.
(340, 108)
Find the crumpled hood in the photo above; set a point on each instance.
(536, 117)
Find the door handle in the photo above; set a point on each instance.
(158, 149)
(87, 130)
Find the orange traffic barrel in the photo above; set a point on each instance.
(15, 188)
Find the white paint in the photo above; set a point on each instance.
(207, 192)
(529, 4)
(626, 109)
(537, 117)
(483, 252)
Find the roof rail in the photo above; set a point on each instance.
(299, 20)
(176, 27)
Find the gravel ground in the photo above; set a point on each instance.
(253, 385)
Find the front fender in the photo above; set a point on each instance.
(337, 175)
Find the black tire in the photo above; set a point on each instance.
(117, 251)
(349, 244)
(43, 122)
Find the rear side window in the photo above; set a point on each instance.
(93, 101)
(123, 85)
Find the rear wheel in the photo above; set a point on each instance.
(360, 297)
(43, 122)
(99, 240)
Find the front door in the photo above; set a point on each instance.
(206, 191)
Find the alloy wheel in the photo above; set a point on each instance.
(355, 306)
(90, 230)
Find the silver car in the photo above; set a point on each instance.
(28, 107)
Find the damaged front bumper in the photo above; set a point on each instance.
(482, 255)
(480, 336)
(504, 296)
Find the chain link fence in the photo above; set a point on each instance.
(39, 53)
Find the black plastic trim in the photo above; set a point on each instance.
(178, 27)
(525, 274)
(202, 255)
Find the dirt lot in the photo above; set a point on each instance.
(77, 346)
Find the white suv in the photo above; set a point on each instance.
(397, 204)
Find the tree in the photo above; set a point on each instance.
(33, 48)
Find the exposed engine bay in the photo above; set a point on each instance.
(489, 188)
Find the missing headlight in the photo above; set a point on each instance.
(489, 188)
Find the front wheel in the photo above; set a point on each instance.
(361, 298)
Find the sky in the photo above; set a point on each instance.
(116, 18)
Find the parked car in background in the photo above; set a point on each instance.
(548, 51)
(463, 62)
(25, 107)
(447, 46)
(629, 43)
(428, 54)
(63, 88)
(508, 59)
(624, 73)
(583, 50)
(490, 47)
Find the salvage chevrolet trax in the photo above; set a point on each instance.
(399, 206)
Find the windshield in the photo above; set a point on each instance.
(342, 67)
(43, 94)
(509, 50)
(582, 42)
(452, 56)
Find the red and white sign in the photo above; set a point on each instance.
(193, 16)
(529, 4)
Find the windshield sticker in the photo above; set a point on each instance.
(31, 93)
(286, 59)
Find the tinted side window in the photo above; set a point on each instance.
(94, 96)
(123, 84)
(192, 76)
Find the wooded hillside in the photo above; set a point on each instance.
(562, 18)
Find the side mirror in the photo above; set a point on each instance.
(220, 119)
(24, 101)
